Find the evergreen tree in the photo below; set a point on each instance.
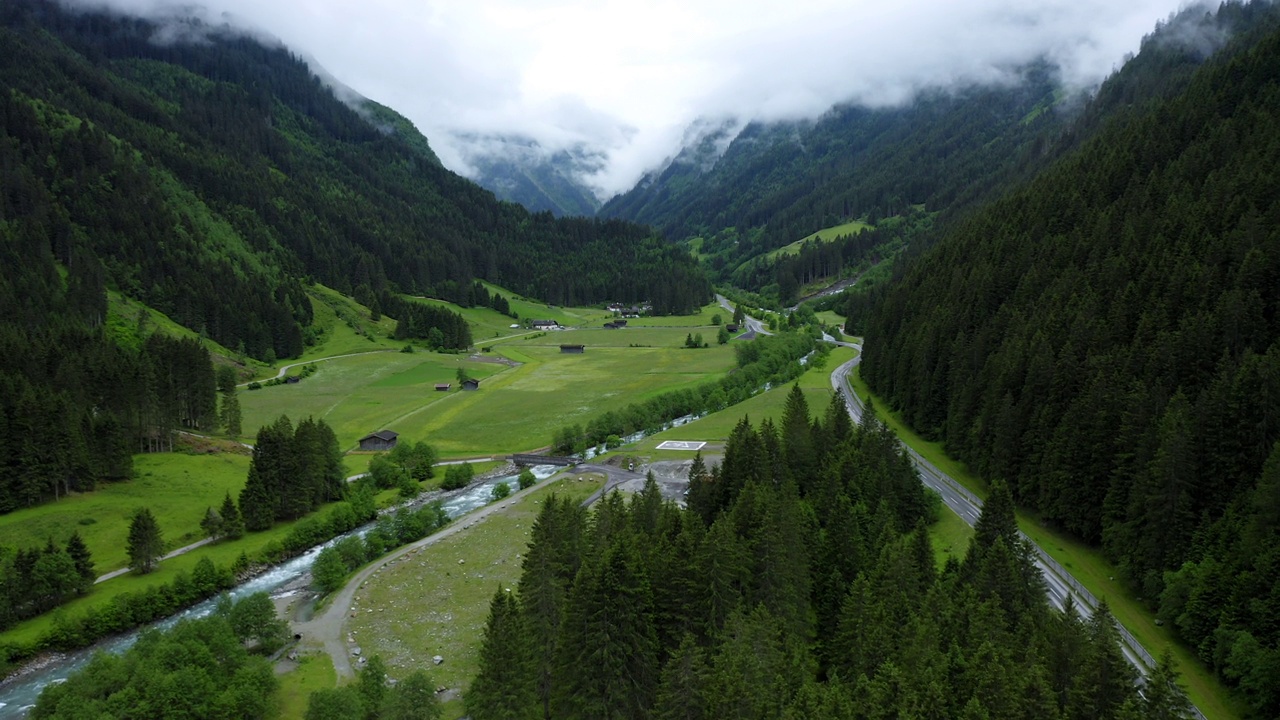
(83, 560)
(232, 526)
(682, 690)
(607, 663)
(503, 688)
(144, 544)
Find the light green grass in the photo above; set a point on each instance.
(130, 322)
(950, 536)
(487, 324)
(175, 487)
(815, 383)
(431, 604)
(1088, 566)
(824, 235)
(314, 672)
(361, 394)
(830, 317)
(521, 409)
(222, 554)
(702, 318)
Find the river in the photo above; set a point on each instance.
(18, 694)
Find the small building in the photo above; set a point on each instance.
(731, 327)
(573, 349)
(292, 380)
(442, 387)
(544, 324)
(381, 440)
(470, 384)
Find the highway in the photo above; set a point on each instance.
(1059, 583)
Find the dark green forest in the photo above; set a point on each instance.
(799, 583)
(1106, 339)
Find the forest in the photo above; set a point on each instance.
(800, 582)
(1106, 340)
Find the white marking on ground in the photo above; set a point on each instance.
(681, 445)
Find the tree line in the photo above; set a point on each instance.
(1107, 340)
(212, 667)
(800, 582)
(35, 580)
(442, 328)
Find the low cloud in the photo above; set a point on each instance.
(627, 79)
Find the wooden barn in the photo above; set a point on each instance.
(470, 384)
(381, 440)
(442, 387)
(573, 349)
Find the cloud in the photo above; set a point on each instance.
(627, 78)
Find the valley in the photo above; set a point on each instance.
(995, 432)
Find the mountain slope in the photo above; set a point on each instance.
(213, 177)
(1107, 339)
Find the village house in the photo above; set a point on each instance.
(381, 440)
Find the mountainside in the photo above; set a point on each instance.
(213, 176)
(519, 170)
(746, 191)
(1107, 339)
(775, 183)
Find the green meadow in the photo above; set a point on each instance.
(176, 487)
(824, 235)
(361, 394)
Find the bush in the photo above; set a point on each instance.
(501, 490)
(527, 479)
(457, 476)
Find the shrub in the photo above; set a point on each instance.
(457, 476)
(527, 479)
(501, 490)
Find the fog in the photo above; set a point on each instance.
(623, 81)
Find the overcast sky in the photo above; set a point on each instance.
(628, 77)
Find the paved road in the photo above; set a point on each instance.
(1059, 583)
(184, 549)
(753, 325)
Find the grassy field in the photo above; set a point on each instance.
(825, 234)
(361, 394)
(432, 604)
(815, 384)
(521, 409)
(1089, 567)
(314, 672)
(175, 487)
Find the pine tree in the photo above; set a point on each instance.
(232, 523)
(231, 415)
(211, 524)
(797, 441)
(682, 690)
(1162, 696)
(607, 662)
(144, 544)
(79, 554)
(503, 688)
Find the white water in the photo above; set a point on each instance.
(17, 695)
